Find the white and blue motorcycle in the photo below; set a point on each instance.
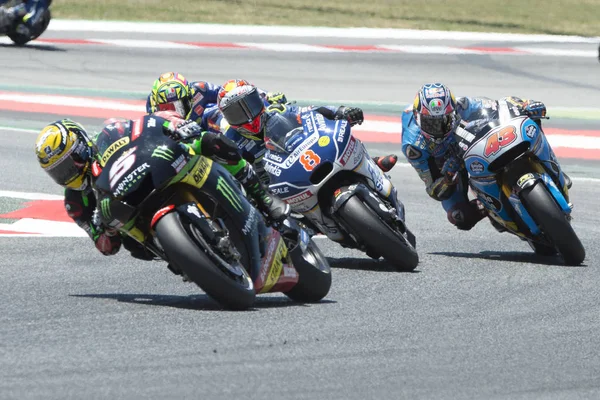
(326, 175)
(516, 176)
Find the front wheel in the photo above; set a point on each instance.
(553, 223)
(233, 292)
(314, 274)
(378, 236)
(21, 40)
(542, 249)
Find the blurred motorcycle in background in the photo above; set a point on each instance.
(23, 21)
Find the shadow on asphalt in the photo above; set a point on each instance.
(200, 302)
(42, 47)
(364, 264)
(511, 256)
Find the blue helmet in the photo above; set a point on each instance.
(434, 109)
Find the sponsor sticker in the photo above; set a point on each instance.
(436, 105)
(307, 194)
(531, 131)
(272, 169)
(324, 141)
(112, 149)
(412, 153)
(524, 179)
(179, 163)
(476, 167)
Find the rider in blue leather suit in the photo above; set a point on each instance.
(427, 143)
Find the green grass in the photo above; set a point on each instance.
(578, 17)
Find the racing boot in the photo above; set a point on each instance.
(386, 163)
(276, 209)
(499, 227)
(136, 250)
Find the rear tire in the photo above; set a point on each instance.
(186, 254)
(553, 223)
(377, 235)
(314, 275)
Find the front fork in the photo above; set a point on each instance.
(381, 183)
(374, 203)
(524, 174)
(214, 180)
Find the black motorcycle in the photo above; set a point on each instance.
(189, 211)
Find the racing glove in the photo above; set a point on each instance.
(276, 98)
(354, 115)
(185, 130)
(451, 167)
(534, 109)
(443, 187)
(107, 240)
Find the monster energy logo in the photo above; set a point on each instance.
(105, 208)
(71, 125)
(164, 153)
(227, 191)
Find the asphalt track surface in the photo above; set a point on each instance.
(482, 317)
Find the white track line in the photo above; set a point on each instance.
(30, 195)
(158, 44)
(299, 31)
(289, 47)
(70, 101)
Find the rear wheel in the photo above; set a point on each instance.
(378, 236)
(233, 291)
(553, 223)
(314, 275)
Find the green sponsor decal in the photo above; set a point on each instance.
(227, 191)
(164, 153)
(105, 208)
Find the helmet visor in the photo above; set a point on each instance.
(437, 126)
(244, 109)
(69, 169)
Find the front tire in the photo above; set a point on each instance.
(186, 254)
(542, 249)
(378, 236)
(553, 223)
(21, 40)
(314, 275)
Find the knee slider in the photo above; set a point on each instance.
(463, 216)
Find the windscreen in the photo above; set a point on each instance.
(282, 133)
